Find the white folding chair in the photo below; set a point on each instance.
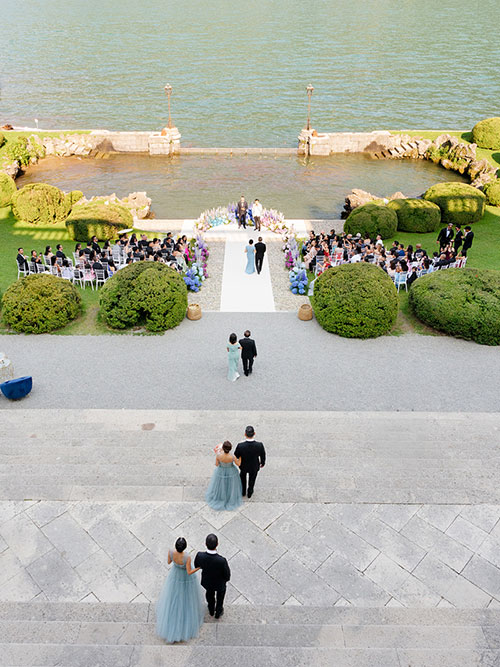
(88, 277)
(100, 277)
(400, 280)
(22, 270)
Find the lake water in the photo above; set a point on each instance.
(184, 186)
(239, 70)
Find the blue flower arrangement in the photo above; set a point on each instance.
(298, 280)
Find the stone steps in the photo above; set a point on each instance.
(47, 634)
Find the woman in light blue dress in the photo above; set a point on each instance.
(224, 490)
(233, 357)
(180, 609)
(250, 251)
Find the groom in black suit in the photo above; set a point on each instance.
(248, 352)
(215, 574)
(253, 458)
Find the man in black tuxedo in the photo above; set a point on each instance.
(260, 250)
(215, 574)
(469, 236)
(248, 352)
(253, 458)
(445, 236)
(60, 252)
(21, 260)
(241, 212)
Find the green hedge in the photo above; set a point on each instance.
(464, 303)
(96, 218)
(7, 189)
(492, 192)
(355, 301)
(372, 219)
(40, 204)
(40, 303)
(486, 133)
(146, 294)
(416, 215)
(460, 204)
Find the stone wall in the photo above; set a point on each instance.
(314, 143)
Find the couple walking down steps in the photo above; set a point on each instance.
(179, 610)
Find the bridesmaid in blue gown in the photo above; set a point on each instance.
(224, 490)
(233, 357)
(180, 610)
(250, 251)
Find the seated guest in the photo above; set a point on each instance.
(96, 263)
(409, 254)
(442, 261)
(391, 269)
(95, 245)
(88, 250)
(143, 243)
(133, 240)
(403, 264)
(78, 247)
(48, 252)
(379, 241)
(59, 252)
(419, 253)
(401, 250)
(66, 270)
(138, 255)
(22, 262)
(356, 256)
(107, 247)
(412, 277)
(54, 265)
(310, 258)
(34, 257)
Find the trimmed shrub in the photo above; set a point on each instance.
(2, 139)
(146, 294)
(492, 192)
(97, 218)
(416, 215)
(355, 301)
(7, 189)
(460, 204)
(372, 219)
(464, 303)
(40, 303)
(18, 150)
(486, 133)
(39, 204)
(71, 198)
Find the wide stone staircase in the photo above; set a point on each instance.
(370, 541)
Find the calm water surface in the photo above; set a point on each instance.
(185, 186)
(239, 70)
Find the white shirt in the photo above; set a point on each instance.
(355, 259)
(257, 209)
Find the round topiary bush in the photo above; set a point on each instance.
(40, 303)
(7, 189)
(416, 215)
(2, 139)
(492, 192)
(460, 204)
(355, 301)
(372, 219)
(71, 199)
(146, 294)
(39, 204)
(98, 218)
(486, 133)
(461, 302)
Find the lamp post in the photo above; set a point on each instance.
(309, 91)
(168, 91)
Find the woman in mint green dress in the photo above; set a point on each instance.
(224, 490)
(233, 357)
(250, 251)
(180, 609)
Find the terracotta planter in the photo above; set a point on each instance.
(194, 312)
(305, 312)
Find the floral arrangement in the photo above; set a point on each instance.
(298, 280)
(224, 215)
(196, 255)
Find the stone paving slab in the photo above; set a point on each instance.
(359, 559)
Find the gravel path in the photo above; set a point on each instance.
(299, 367)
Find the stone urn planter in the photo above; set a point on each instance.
(194, 311)
(305, 312)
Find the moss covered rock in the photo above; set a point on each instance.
(355, 301)
(492, 192)
(486, 133)
(372, 219)
(460, 204)
(146, 294)
(416, 215)
(39, 204)
(40, 303)
(97, 218)
(7, 189)
(464, 303)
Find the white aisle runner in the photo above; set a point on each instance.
(242, 292)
